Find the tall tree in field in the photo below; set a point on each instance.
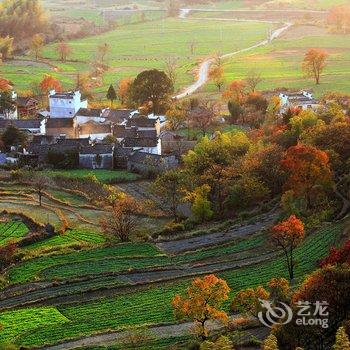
(36, 45)
(40, 184)
(216, 73)
(252, 80)
(152, 86)
(123, 90)
(203, 303)
(111, 94)
(122, 221)
(339, 16)
(169, 186)
(64, 50)
(103, 50)
(170, 68)
(314, 63)
(287, 235)
(309, 171)
(49, 83)
(6, 48)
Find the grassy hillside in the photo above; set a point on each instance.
(151, 304)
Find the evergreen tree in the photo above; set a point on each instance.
(111, 94)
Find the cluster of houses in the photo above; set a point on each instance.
(102, 138)
(106, 138)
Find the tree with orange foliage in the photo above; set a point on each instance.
(308, 170)
(236, 91)
(247, 300)
(203, 303)
(5, 85)
(50, 83)
(339, 16)
(123, 89)
(314, 63)
(63, 50)
(287, 235)
(216, 73)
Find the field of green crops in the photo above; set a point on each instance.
(139, 47)
(150, 305)
(12, 231)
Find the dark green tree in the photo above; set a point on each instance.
(12, 136)
(151, 86)
(111, 94)
(7, 103)
(235, 110)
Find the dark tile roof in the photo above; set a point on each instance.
(65, 95)
(140, 142)
(141, 121)
(89, 112)
(21, 123)
(117, 115)
(42, 139)
(123, 151)
(140, 157)
(95, 128)
(74, 142)
(53, 123)
(97, 149)
(24, 101)
(119, 131)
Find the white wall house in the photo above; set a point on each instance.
(66, 104)
(303, 100)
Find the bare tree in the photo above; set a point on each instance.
(204, 116)
(40, 184)
(170, 68)
(192, 44)
(252, 80)
(122, 220)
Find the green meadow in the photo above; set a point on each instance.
(136, 47)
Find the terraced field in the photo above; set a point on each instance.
(110, 288)
(12, 231)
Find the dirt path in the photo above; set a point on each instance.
(204, 67)
(211, 239)
(161, 332)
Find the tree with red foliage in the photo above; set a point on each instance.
(287, 235)
(308, 169)
(50, 83)
(338, 256)
(7, 255)
(5, 84)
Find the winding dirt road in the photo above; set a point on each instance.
(203, 71)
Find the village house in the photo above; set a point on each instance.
(303, 100)
(172, 143)
(98, 156)
(29, 126)
(85, 115)
(95, 130)
(27, 106)
(65, 104)
(145, 163)
(62, 127)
